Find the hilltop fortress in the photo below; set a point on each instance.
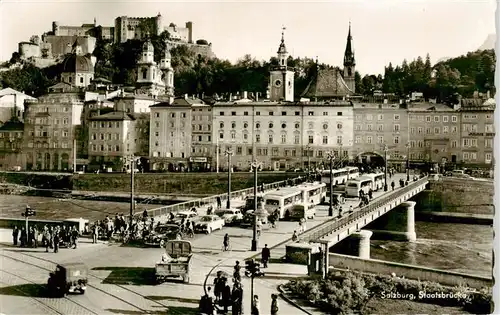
(54, 45)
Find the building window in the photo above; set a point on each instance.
(380, 116)
(245, 113)
(257, 138)
(245, 136)
(339, 126)
(445, 129)
(257, 125)
(380, 139)
(172, 115)
(270, 138)
(297, 139)
(488, 143)
(239, 150)
(245, 125)
(436, 130)
(311, 140)
(310, 113)
(369, 127)
(325, 126)
(358, 139)
(453, 118)
(283, 126)
(183, 115)
(271, 113)
(339, 113)
(297, 113)
(396, 140)
(466, 155)
(381, 128)
(233, 113)
(257, 113)
(445, 119)
(221, 135)
(275, 152)
(339, 139)
(221, 125)
(320, 153)
(454, 129)
(271, 125)
(283, 113)
(428, 130)
(297, 126)
(233, 125)
(396, 128)
(325, 139)
(396, 116)
(325, 113)
(436, 118)
(487, 158)
(221, 114)
(283, 138)
(200, 138)
(369, 116)
(369, 139)
(358, 127)
(428, 118)
(488, 128)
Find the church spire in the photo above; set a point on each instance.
(282, 52)
(349, 53)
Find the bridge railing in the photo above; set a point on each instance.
(183, 206)
(335, 224)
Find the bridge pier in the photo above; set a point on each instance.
(361, 243)
(400, 224)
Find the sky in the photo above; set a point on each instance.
(383, 30)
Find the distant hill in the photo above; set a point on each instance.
(489, 43)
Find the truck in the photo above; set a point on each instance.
(176, 262)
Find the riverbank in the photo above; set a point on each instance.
(452, 217)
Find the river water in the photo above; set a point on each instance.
(464, 248)
(456, 247)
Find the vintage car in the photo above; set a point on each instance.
(175, 262)
(161, 234)
(230, 216)
(248, 219)
(191, 215)
(209, 223)
(68, 278)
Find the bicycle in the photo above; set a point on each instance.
(224, 249)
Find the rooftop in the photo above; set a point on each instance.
(327, 83)
(116, 115)
(12, 125)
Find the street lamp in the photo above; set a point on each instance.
(408, 161)
(229, 153)
(308, 150)
(131, 160)
(255, 165)
(331, 156)
(385, 169)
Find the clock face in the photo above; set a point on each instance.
(277, 83)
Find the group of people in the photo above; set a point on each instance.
(226, 297)
(51, 237)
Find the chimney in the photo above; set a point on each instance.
(230, 97)
(488, 94)
(257, 96)
(186, 96)
(245, 94)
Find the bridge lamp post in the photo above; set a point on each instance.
(331, 157)
(408, 161)
(228, 153)
(255, 165)
(308, 150)
(385, 169)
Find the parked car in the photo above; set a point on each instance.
(162, 234)
(230, 216)
(191, 215)
(209, 223)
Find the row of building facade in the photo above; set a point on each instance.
(73, 128)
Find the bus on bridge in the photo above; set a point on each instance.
(378, 180)
(340, 176)
(353, 172)
(282, 200)
(313, 193)
(363, 183)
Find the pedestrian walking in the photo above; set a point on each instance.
(236, 273)
(255, 305)
(259, 227)
(206, 303)
(74, 237)
(300, 227)
(274, 304)
(266, 254)
(95, 233)
(24, 237)
(56, 238)
(392, 185)
(370, 193)
(226, 297)
(237, 299)
(15, 235)
(35, 237)
(295, 238)
(46, 239)
(219, 202)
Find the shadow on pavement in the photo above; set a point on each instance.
(28, 289)
(33, 250)
(172, 310)
(172, 298)
(129, 275)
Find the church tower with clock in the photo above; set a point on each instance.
(281, 76)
